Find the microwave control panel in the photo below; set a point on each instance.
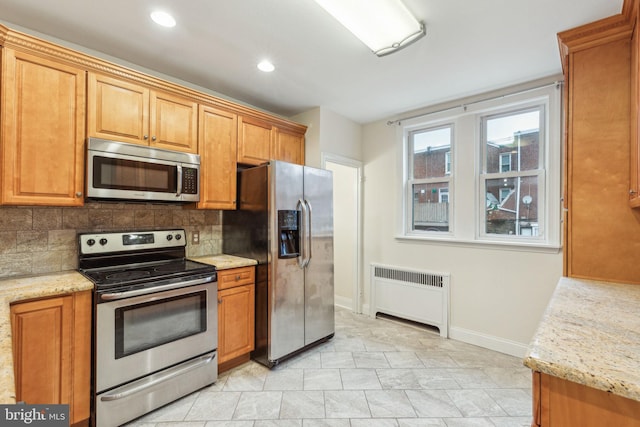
(189, 180)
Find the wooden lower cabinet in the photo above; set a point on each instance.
(561, 403)
(52, 352)
(236, 316)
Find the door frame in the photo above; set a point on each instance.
(357, 294)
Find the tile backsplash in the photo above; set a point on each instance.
(35, 240)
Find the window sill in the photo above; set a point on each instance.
(538, 247)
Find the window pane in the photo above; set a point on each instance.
(513, 142)
(430, 207)
(429, 152)
(512, 206)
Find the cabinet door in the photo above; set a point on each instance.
(52, 352)
(288, 147)
(217, 148)
(42, 333)
(235, 322)
(254, 141)
(173, 122)
(117, 109)
(42, 117)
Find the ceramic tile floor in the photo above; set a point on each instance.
(374, 372)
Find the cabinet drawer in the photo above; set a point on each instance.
(236, 277)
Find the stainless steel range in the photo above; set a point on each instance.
(155, 322)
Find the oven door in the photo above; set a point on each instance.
(139, 335)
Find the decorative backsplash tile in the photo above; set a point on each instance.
(35, 240)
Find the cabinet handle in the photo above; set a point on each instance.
(146, 137)
(153, 138)
(632, 192)
(219, 300)
(79, 194)
(237, 277)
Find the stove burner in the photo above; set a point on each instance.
(170, 267)
(127, 275)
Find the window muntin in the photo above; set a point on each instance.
(430, 176)
(513, 187)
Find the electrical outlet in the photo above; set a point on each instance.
(195, 237)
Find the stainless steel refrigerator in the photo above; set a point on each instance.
(284, 220)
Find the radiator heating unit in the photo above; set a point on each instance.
(416, 295)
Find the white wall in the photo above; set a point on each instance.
(329, 132)
(497, 296)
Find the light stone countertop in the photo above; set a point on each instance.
(224, 262)
(590, 335)
(24, 288)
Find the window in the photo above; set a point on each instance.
(505, 162)
(495, 180)
(519, 136)
(429, 159)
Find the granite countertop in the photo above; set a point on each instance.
(590, 335)
(23, 288)
(224, 262)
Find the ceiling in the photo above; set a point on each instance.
(470, 47)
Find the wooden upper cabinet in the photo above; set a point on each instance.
(634, 165)
(124, 111)
(254, 141)
(42, 117)
(117, 110)
(217, 147)
(173, 122)
(288, 146)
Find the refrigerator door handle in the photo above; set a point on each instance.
(302, 259)
(308, 234)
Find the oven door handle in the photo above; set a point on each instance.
(153, 380)
(152, 290)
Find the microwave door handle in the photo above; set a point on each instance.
(179, 193)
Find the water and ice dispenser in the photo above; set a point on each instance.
(288, 230)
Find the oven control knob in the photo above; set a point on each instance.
(103, 241)
(178, 236)
(169, 237)
(91, 242)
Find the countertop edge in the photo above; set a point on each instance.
(225, 262)
(576, 342)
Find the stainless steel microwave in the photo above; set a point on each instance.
(121, 171)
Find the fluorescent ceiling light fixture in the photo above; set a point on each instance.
(266, 66)
(384, 25)
(163, 18)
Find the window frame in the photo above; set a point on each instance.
(411, 182)
(466, 201)
(538, 173)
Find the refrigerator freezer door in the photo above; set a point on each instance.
(319, 295)
(286, 278)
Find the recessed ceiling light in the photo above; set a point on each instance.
(163, 18)
(266, 66)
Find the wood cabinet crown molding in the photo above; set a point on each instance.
(603, 31)
(24, 42)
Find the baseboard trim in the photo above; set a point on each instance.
(343, 302)
(490, 342)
